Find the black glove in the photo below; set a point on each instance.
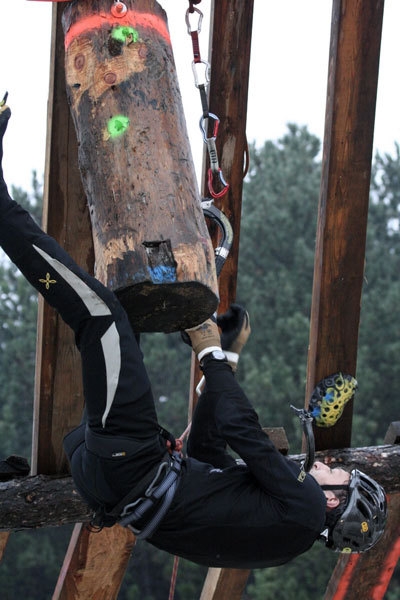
(235, 328)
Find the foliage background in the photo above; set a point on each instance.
(280, 200)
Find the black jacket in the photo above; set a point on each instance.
(229, 517)
(224, 518)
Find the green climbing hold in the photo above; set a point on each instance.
(117, 125)
(124, 34)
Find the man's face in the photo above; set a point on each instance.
(324, 475)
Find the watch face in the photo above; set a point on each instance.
(218, 355)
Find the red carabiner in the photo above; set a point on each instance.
(222, 180)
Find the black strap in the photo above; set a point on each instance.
(140, 488)
(136, 511)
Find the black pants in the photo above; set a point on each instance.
(118, 397)
(116, 387)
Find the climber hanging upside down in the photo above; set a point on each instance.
(209, 508)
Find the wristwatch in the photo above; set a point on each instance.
(214, 355)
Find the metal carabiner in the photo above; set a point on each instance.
(189, 29)
(203, 128)
(222, 180)
(206, 72)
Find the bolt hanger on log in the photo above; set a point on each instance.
(151, 241)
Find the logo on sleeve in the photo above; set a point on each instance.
(302, 476)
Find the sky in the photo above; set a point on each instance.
(288, 75)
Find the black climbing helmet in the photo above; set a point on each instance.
(362, 522)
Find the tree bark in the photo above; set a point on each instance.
(43, 501)
(151, 241)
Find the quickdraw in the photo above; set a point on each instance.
(214, 171)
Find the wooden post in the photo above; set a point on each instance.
(59, 395)
(59, 399)
(344, 197)
(230, 43)
(151, 241)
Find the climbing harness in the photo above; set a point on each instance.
(207, 118)
(326, 405)
(165, 490)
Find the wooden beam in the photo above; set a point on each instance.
(230, 45)
(343, 208)
(58, 395)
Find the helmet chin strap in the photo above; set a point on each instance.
(306, 420)
(332, 486)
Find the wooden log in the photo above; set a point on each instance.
(42, 501)
(151, 241)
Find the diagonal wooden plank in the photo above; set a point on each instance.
(3, 542)
(224, 584)
(90, 569)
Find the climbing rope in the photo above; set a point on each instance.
(178, 447)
